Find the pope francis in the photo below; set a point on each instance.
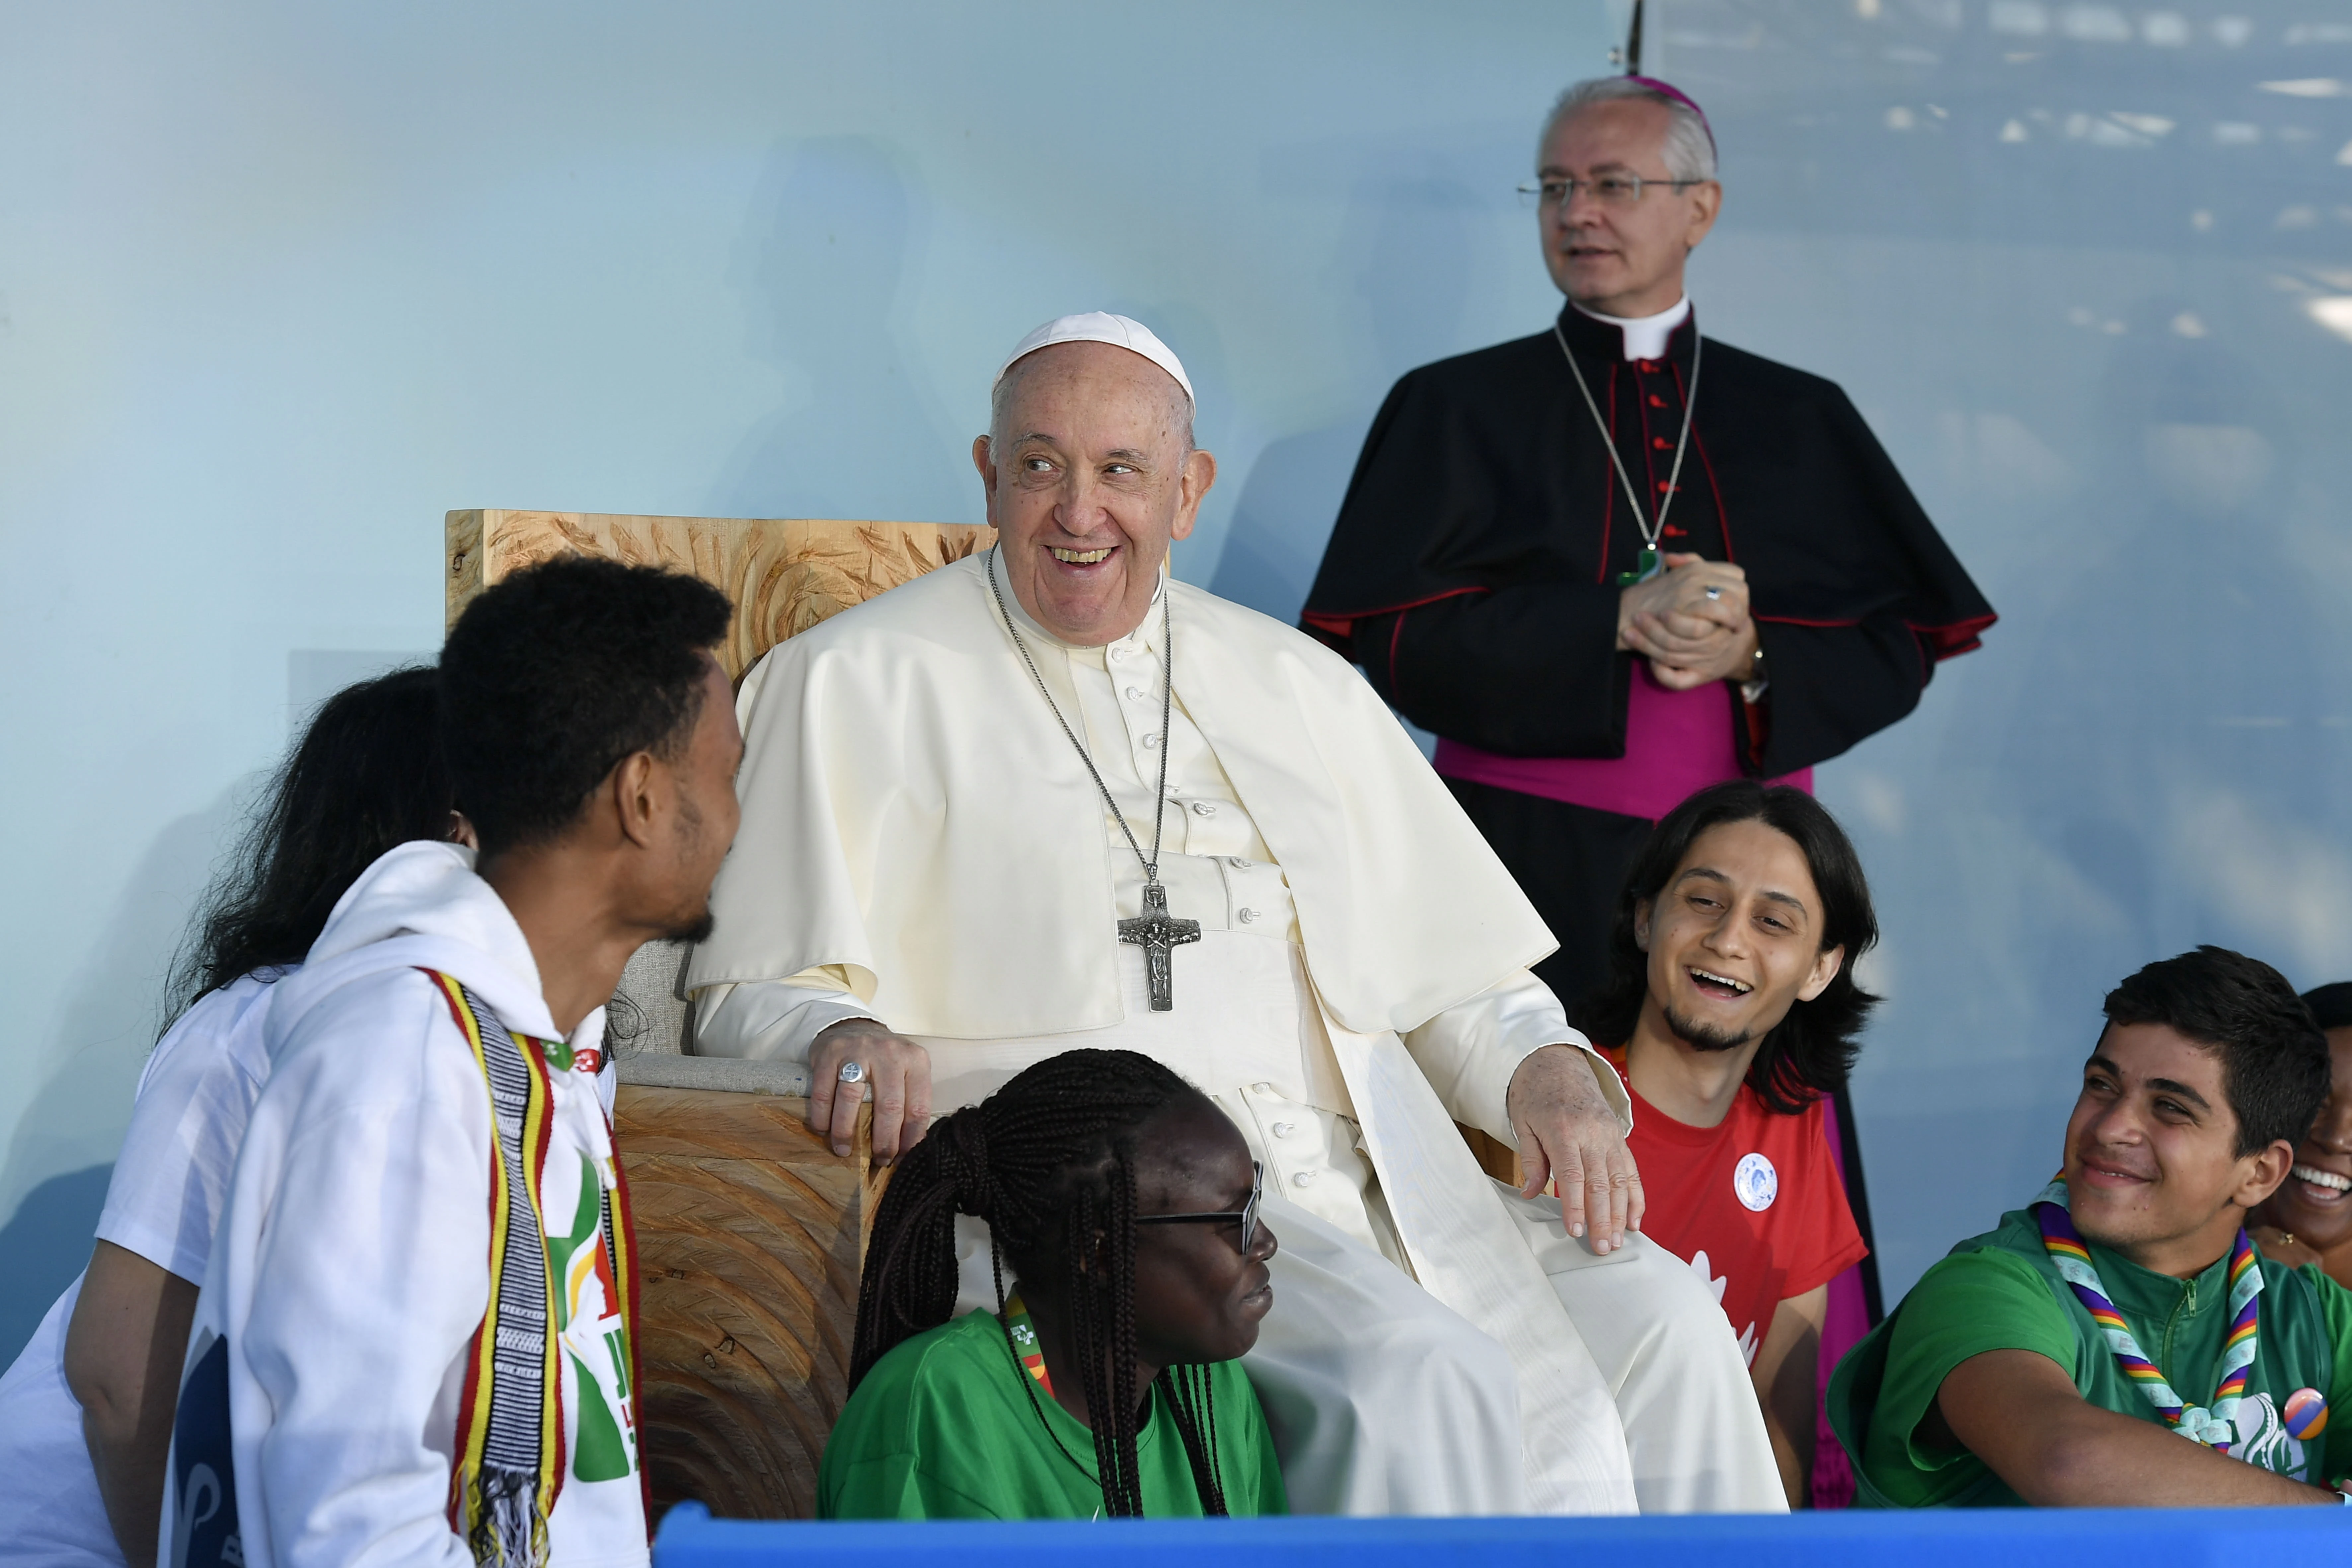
(950, 865)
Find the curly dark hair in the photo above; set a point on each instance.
(365, 776)
(553, 676)
(1049, 1161)
(1808, 1053)
(2276, 1067)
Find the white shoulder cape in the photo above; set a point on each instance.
(912, 812)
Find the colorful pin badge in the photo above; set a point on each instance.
(2305, 1414)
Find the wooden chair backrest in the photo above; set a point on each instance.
(784, 575)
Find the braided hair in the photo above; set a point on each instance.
(1049, 1163)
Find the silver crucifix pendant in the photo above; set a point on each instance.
(1159, 933)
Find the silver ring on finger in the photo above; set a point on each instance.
(853, 1072)
(1713, 591)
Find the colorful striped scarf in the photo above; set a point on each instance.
(509, 1461)
(2215, 1426)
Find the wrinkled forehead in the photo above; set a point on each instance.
(1098, 381)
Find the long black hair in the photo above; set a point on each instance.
(365, 776)
(1809, 1052)
(1049, 1161)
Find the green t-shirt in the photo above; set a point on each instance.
(941, 1429)
(2000, 1291)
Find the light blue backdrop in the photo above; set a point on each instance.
(279, 285)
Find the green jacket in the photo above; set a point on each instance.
(2000, 1291)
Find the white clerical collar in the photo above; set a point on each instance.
(1146, 634)
(1645, 336)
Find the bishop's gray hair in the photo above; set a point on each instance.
(1689, 151)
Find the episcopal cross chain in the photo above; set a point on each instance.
(1159, 933)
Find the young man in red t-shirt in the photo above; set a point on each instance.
(1731, 1010)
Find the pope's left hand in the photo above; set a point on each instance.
(1569, 1134)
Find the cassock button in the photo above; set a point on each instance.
(1203, 809)
(1650, 367)
(1303, 1179)
(1285, 1129)
(1237, 862)
(1660, 442)
(1150, 742)
(1134, 693)
(1248, 915)
(1656, 402)
(1120, 652)
(1261, 1088)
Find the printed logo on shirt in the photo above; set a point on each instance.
(591, 1062)
(1755, 1183)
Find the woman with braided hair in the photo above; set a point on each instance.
(1106, 1383)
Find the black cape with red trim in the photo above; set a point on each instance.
(1472, 572)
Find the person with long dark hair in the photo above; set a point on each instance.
(1106, 1383)
(1732, 1009)
(86, 1411)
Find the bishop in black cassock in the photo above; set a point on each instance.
(1476, 572)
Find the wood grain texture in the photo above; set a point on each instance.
(783, 574)
(752, 1234)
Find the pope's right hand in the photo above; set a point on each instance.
(898, 1071)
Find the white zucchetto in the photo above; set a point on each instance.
(1099, 327)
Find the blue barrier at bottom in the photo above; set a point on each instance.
(690, 1538)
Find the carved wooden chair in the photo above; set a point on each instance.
(752, 1231)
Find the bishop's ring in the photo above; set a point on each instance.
(853, 1072)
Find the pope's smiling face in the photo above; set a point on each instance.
(2153, 1170)
(1734, 938)
(2315, 1203)
(1090, 474)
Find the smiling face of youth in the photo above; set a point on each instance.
(1623, 260)
(1734, 941)
(1090, 474)
(2315, 1203)
(2153, 1170)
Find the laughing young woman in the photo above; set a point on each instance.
(2309, 1218)
(1106, 1383)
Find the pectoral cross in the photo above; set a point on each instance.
(1159, 933)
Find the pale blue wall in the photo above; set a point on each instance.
(281, 285)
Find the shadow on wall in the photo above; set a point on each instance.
(1406, 254)
(820, 267)
(114, 1011)
(51, 1240)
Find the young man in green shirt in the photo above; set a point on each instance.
(2063, 1358)
(1108, 1382)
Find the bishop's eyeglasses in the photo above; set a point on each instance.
(1609, 190)
(1245, 1217)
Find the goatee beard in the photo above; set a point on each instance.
(1704, 1037)
(696, 930)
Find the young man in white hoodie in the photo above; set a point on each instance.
(413, 1343)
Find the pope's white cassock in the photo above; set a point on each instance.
(921, 844)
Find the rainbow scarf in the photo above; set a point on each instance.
(2214, 1427)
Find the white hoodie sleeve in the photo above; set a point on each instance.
(368, 1281)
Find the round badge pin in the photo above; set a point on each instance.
(2305, 1414)
(1756, 1182)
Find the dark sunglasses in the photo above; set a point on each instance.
(1245, 1217)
